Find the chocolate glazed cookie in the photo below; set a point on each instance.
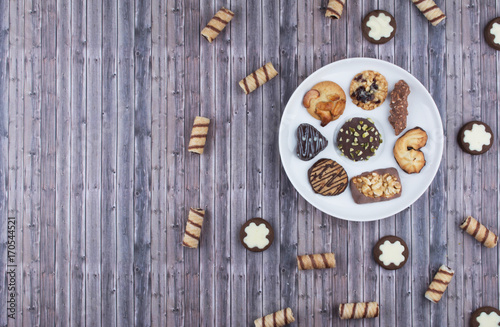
(310, 142)
(492, 33)
(327, 177)
(391, 252)
(485, 316)
(379, 27)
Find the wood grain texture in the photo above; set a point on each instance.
(97, 102)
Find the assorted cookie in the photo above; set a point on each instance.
(193, 228)
(477, 230)
(276, 319)
(256, 235)
(310, 142)
(475, 137)
(259, 77)
(316, 261)
(407, 150)
(325, 101)
(375, 186)
(198, 135)
(430, 10)
(334, 9)
(358, 310)
(391, 252)
(439, 284)
(358, 139)
(379, 27)
(492, 33)
(368, 89)
(217, 24)
(485, 317)
(399, 106)
(327, 177)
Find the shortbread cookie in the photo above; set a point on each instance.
(310, 142)
(358, 139)
(335, 8)
(492, 33)
(375, 186)
(475, 137)
(379, 27)
(439, 284)
(217, 24)
(262, 75)
(325, 101)
(277, 319)
(316, 261)
(198, 135)
(485, 317)
(430, 10)
(406, 150)
(327, 177)
(368, 89)
(193, 228)
(256, 235)
(358, 310)
(391, 252)
(399, 106)
(477, 230)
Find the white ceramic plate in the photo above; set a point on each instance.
(422, 112)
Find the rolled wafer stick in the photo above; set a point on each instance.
(277, 319)
(217, 24)
(316, 261)
(257, 78)
(198, 135)
(193, 228)
(430, 10)
(439, 284)
(358, 310)
(335, 8)
(479, 232)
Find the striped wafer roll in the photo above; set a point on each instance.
(439, 284)
(358, 310)
(430, 10)
(277, 319)
(217, 24)
(316, 261)
(193, 228)
(335, 8)
(479, 232)
(258, 77)
(198, 135)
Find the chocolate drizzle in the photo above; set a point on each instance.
(327, 177)
(310, 142)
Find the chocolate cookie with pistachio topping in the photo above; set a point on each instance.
(358, 139)
(327, 177)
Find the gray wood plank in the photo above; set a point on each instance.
(63, 168)
(93, 183)
(158, 162)
(109, 136)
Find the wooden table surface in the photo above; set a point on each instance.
(97, 103)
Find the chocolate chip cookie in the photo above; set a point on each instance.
(368, 89)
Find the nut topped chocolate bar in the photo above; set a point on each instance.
(375, 186)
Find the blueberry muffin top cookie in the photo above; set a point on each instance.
(368, 89)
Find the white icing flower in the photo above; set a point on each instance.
(256, 236)
(379, 26)
(392, 253)
(495, 30)
(477, 137)
(488, 320)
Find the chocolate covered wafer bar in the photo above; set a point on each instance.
(430, 10)
(358, 310)
(439, 284)
(198, 135)
(335, 8)
(217, 24)
(479, 232)
(193, 228)
(316, 261)
(258, 77)
(277, 319)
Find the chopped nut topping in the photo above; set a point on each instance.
(375, 185)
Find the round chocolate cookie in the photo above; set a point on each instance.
(368, 89)
(391, 252)
(256, 235)
(358, 139)
(475, 137)
(310, 142)
(485, 317)
(379, 27)
(327, 177)
(492, 33)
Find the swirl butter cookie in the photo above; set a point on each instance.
(368, 89)
(407, 150)
(325, 101)
(327, 177)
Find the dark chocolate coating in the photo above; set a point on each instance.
(473, 318)
(310, 142)
(465, 146)
(327, 177)
(366, 30)
(360, 198)
(490, 37)
(377, 252)
(358, 143)
(269, 236)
